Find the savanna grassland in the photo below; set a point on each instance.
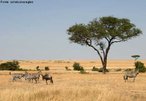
(73, 86)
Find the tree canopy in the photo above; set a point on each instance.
(101, 33)
(135, 57)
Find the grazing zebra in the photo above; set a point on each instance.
(32, 76)
(47, 77)
(16, 76)
(131, 74)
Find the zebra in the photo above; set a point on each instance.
(131, 74)
(47, 77)
(32, 76)
(16, 76)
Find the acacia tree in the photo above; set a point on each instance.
(135, 57)
(101, 34)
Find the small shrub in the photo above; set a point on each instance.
(37, 68)
(30, 70)
(77, 66)
(140, 66)
(47, 68)
(128, 69)
(101, 70)
(82, 69)
(20, 69)
(83, 72)
(118, 69)
(94, 68)
(67, 68)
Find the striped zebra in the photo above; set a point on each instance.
(16, 76)
(32, 76)
(130, 74)
(47, 77)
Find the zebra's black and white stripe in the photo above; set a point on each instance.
(130, 74)
(32, 76)
(16, 76)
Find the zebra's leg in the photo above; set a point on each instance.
(134, 79)
(35, 80)
(46, 82)
(51, 80)
(38, 79)
(20, 78)
(125, 78)
(29, 79)
(32, 80)
(13, 79)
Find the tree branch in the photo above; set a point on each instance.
(116, 41)
(90, 45)
(107, 39)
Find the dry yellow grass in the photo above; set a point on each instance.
(75, 87)
(72, 86)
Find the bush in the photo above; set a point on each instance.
(94, 68)
(14, 65)
(21, 69)
(83, 72)
(77, 66)
(37, 68)
(101, 70)
(140, 66)
(128, 69)
(118, 69)
(47, 68)
(67, 68)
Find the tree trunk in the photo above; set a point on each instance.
(103, 57)
(104, 65)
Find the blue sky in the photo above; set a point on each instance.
(38, 30)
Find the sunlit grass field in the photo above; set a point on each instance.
(73, 86)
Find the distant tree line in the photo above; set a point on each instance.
(13, 65)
